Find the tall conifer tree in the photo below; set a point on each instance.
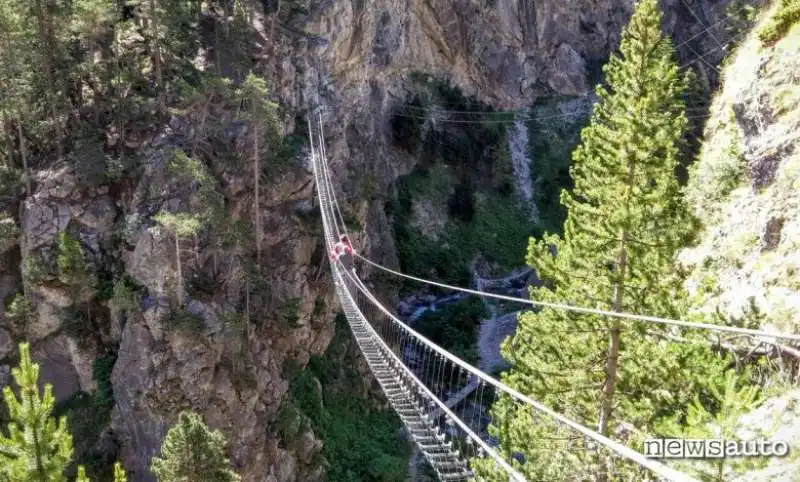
(626, 220)
(38, 448)
(262, 116)
(193, 452)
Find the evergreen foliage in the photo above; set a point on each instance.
(71, 264)
(193, 452)
(625, 222)
(19, 311)
(38, 447)
(263, 127)
(788, 15)
(119, 473)
(455, 327)
(718, 417)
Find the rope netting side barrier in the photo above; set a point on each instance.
(446, 404)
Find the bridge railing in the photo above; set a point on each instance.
(448, 405)
(461, 404)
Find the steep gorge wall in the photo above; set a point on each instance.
(744, 188)
(353, 59)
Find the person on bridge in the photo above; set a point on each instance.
(343, 251)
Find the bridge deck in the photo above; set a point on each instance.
(447, 463)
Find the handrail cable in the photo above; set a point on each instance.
(337, 274)
(591, 311)
(620, 449)
(493, 453)
(594, 311)
(329, 181)
(617, 447)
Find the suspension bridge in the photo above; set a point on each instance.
(441, 399)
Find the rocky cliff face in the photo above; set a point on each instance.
(744, 187)
(353, 59)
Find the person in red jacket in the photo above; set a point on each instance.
(343, 251)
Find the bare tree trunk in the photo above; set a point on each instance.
(48, 62)
(202, 126)
(179, 269)
(156, 48)
(257, 175)
(247, 308)
(273, 21)
(612, 357)
(24, 154)
(8, 137)
(218, 21)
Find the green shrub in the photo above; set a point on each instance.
(186, 322)
(37, 268)
(289, 149)
(288, 423)
(76, 325)
(127, 293)
(9, 232)
(104, 395)
(455, 327)
(360, 443)
(202, 285)
(10, 182)
(351, 221)
(291, 369)
(319, 305)
(551, 140)
(102, 285)
(18, 312)
(712, 181)
(88, 415)
(289, 313)
(779, 25)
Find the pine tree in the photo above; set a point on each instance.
(73, 271)
(625, 222)
(170, 32)
(51, 20)
(16, 83)
(193, 452)
(263, 126)
(71, 264)
(19, 312)
(181, 225)
(731, 398)
(38, 448)
(119, 473)
(82, 477)
(206, 209)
